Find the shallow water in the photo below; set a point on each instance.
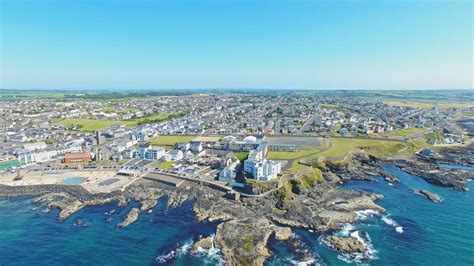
(74, 180)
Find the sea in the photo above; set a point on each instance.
(411, 231)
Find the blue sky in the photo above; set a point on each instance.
(107, 44)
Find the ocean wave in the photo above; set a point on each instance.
(364, 214)
(177, 252)
(389, 221)
(210, 256)
(370, 253)
(348, 230)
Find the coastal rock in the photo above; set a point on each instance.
(131, 217)
(389, 178)
(203, 243)
(432, 173)
(282, 233)
(429, 195)
(346, 245)
(69, 209)
(244, 242)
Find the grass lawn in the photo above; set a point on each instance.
(282, 155)
(91, 125)
(123, 161)
(403, 132)
(241, 155)
(295, 167)
(163, 165)
(422, 105)
(169, 140)
(379, 148)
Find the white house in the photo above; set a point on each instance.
(174, 155)
(259, 167)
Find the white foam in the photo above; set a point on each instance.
(346, 229)
(364, 214)
(390, 221)
(212, 255)
(179, 251)
(369, 254)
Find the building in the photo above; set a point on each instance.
(282, 147)
(259, 167)
(77, 157)
(196, 146)
(229, 172)
(174, 155)
(154, 153)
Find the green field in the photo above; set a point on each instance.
(424, 105)
(91, 125)
(169, 140)
(241, 155)
(403, 132)
(376, 147)
(163, 165)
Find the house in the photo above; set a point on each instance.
(174, 155)
(196, 146)
(154, 153)
(184, 146)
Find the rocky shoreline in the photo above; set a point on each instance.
(246, 225)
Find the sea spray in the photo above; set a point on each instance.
(173, 254)
(389, 221)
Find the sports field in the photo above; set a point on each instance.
(90, 125)
(169, 140)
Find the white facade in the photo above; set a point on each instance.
(174, 155)
(259, 167)
(44, 156)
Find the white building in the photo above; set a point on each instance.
(174, 155)
(259, 167)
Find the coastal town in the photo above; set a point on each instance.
(280, 156)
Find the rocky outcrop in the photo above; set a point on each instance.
(389, 178)
(131, 217)
(429, 195)
(346, 245)
(203, 243)
(457, 179)
(244, 242)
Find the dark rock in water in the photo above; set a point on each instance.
(456, 179)
(389, 177)
(81, 223)
(429, 195)
(301, 252)
(346, 245)
(131, 217)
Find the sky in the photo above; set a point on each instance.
(142, 44)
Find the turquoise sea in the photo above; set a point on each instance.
(412, 231)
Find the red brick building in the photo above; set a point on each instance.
(77, 157)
